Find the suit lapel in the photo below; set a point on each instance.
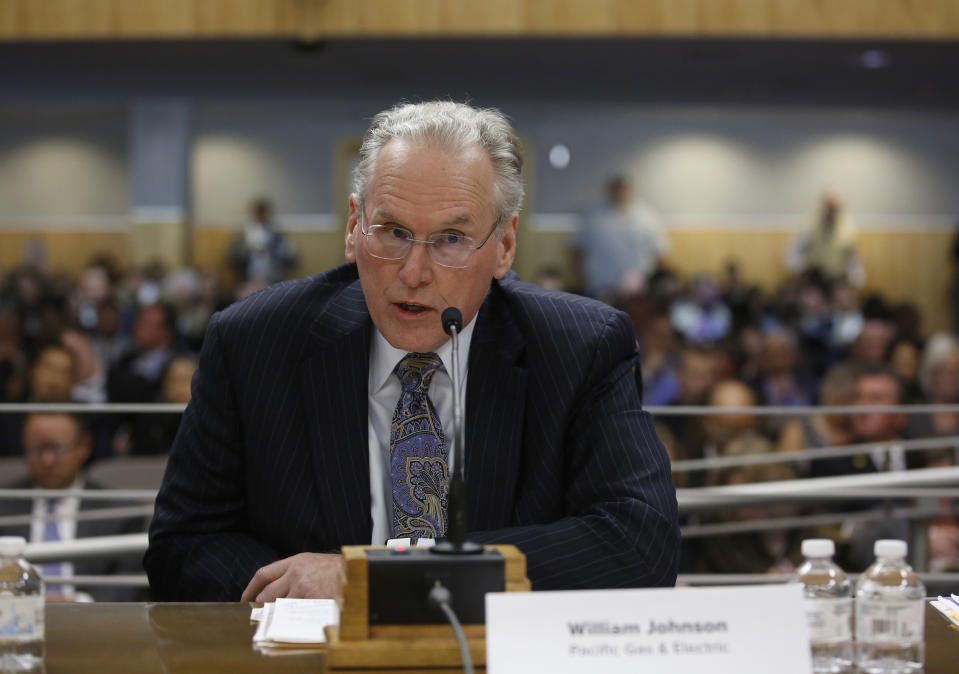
(333, 383)
(495, 396)
(17, 506)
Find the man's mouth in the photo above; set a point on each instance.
(414, 308)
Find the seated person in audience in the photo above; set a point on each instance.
(56, 447)
(775, 552)
(13, 360)
(695, 373)
(659, 347)
(50, 379)
(89, 371)
(781, 382)
(285, 451)
(944, 531)
(939, 380)
(904, 358)
(137, 376)
(873, 342)
(706, 436)
(701, 315)
(838, 388)
(153, 433)
(876, 385)
(52, 375)
(847, 316)
(721, 429)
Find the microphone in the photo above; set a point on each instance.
(452, 322)
(456, 541)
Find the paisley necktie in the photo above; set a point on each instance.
(418, 453)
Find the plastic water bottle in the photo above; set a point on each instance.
(890, 614)
(21, 609)
(828, 602)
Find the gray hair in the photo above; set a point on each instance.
(453, 126)
(940, 347)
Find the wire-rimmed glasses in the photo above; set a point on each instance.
(448, 249)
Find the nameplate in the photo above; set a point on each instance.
(741, 630)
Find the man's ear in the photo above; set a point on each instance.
(351, 234)
(506, 248)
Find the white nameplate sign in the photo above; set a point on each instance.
(741, 630)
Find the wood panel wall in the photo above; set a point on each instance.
(903, 266)
(132, 19)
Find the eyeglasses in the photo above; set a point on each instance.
(448, 249)
(58, 448)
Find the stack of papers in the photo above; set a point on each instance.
(949, 607)
(293, 625)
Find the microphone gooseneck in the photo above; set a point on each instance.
(456, 501)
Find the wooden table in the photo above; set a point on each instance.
(211, 638)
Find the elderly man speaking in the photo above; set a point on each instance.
(320, 405)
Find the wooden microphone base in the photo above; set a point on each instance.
(356, 644)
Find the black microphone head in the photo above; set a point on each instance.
(452, 317)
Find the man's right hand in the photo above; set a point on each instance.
(308, 575)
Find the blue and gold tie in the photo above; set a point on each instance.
(418, 453)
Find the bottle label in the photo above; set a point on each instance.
(21, 618)
(829, 620)
(889, 622)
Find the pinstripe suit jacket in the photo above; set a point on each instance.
(272, 455)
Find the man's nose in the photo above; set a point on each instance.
(417, 267)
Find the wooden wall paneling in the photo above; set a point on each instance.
(806, 17)
(125, 19)
(911, 266)
(672, 17)
(67, 251)
(327, 18)
(244, 18)
(9, 19)
(208, 247)
(407, 17)
(170, 18)
(497, 17)
(759, 253)
(572, 17)
(742, 17)
(52, 19)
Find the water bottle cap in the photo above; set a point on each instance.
(12, 546)
(818, 547)
(888, 547)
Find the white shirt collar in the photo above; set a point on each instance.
(385, 356)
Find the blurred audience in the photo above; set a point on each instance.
(259, 253)
(939, 383)
(828, 245)
(132, 335)
(701, 315)
(618, 245)
(56, 448)
(776, 551)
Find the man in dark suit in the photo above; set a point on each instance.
(319, 405)
(56, 446)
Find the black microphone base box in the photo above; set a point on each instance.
(399, 583)
(386, 621)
